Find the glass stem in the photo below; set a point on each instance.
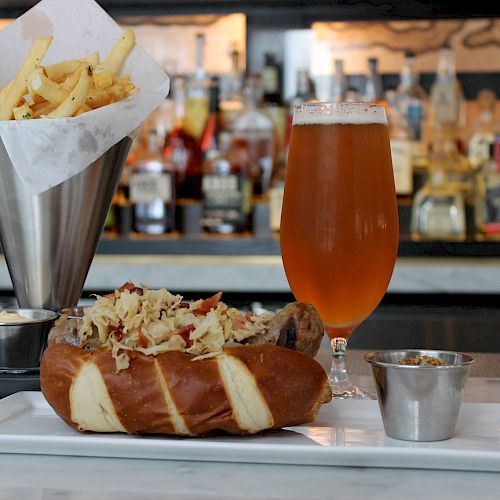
(342, 387)
(338, 372)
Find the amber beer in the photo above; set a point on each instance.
(339, 228)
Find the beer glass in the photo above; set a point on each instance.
(339, 227)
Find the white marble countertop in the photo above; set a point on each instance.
(193, 273)
(71, 478)
(26, 477)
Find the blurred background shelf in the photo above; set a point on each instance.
(248, 245)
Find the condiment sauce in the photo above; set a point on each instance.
(10, 317)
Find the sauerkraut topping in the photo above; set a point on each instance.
(156, 321)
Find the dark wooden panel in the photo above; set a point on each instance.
(287, 13)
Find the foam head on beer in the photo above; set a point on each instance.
(339, 113)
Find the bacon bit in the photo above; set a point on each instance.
(118, 335)
(248, 316)
(116, 330)
(238, 322)
(184, 333)
(183, 305)
(143, 340)
(208, 304)
(126, 286)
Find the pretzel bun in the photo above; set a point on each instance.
(243, 390)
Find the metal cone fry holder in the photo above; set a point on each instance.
(49, 239)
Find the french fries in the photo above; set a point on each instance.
(61, 70)
(120, 51)
(76, 99)
(67, 88)
(22, 112)
(46, 88)
(102, 76)
(19, 88)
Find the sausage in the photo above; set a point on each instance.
(297, 326)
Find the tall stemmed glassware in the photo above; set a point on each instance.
(339, 226)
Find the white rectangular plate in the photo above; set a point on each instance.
(347, 433)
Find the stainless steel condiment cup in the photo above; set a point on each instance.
(22, 344)
(419, 402)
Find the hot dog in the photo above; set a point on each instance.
(128, 372)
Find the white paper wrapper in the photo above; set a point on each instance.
(46, 152)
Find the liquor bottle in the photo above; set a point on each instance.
(151, 190)
(225, 186)
(438, 210)
(182, 150)
(271, 80)
(197, 93)
(276, 192)
(304, 94)
(210, 139)
(412, 98)
(484, 134)
(304, 91)
(406, 107)
(374, 89)
(272, 99)
(338, 87)
(447, 97)
(413, 104)
(401, 149)
(253, 134)
(231, 102)
(121, 200)
(487, 203)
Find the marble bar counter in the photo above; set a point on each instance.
(265, 273)
(253, 264)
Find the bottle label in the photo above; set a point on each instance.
(180, 156)
(146, 187)
(401, 151)
(224, 198)
(196, 115)
(414, 118)
(479, 150)
(440, 221)
(270, 80)
(221, 191)
(446, 102)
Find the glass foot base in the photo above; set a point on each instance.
(342, 387)
(346, 390)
